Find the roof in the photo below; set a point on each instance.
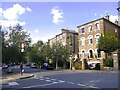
(69, 30)
(97, 20)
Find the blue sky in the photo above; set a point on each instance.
(46, 19)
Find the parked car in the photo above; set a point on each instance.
(27, 64)
(4, 66)
(47, 66)
(94, 66)
(33, 65)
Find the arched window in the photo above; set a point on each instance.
(90, 37)
(90, 54)
(83, 41)
(98, 53)
(97, 27)
(97, 36)
(83, 54)
(90, 28)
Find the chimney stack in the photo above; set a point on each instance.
(107, 16)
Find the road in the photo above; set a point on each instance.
(72, 79)
(16, 69)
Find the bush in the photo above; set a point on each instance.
(108, 63)
(77, 65)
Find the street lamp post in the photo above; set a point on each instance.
(56, 59)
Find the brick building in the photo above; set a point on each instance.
(88, 35)
(68, 38)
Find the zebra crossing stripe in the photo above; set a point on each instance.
(61, 81)
(48, 80)
(12, 83)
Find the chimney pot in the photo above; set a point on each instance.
(107, 16)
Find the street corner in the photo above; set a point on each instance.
(25, 76)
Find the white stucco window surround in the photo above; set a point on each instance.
(97, 25)
(89, 27)
(97, 36)
(91, 53)
(82, 53)
(82, 41)
(97, 54)
(82, 30)
(90, 41)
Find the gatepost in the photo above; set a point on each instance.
(83, 64)
(101, 64)
(115, 60)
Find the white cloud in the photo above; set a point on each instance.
(14, 12)
(1, 11)
(114, 18)
(57, 15)
(35, 39)
(36, 30)
(95, 14)
(7, 23)
(11, 15)
(28, 9)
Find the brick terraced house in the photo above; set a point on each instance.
(88, 35)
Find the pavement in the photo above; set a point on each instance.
(13, 77)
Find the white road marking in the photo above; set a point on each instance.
(41, 77)
(40, 85)
(48, 80)
(70, 82)
(81, 84)
(55, 82)
(13, 83)
(53, 79)
(93, 87)
(61, 81)
(37, 78)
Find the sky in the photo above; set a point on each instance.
(44, 20)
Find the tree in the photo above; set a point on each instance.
(59, 54)
(11, 43)
(108, 43)
(35, 53)
(18, 35)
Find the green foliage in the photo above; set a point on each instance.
(11, 51)
(59, 54)
(78, 65)
(35, 53)
(108, 43)
(108, 63)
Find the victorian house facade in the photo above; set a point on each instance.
(67, 38)
(88, 35)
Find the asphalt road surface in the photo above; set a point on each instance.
(71, 80)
